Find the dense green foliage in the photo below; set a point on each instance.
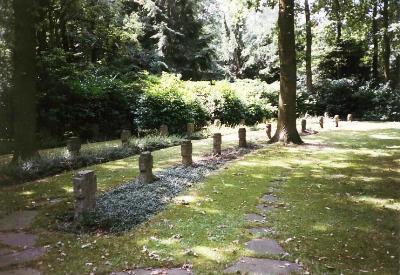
(99, 64)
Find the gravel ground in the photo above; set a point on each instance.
(133, 203)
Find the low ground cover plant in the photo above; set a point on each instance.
(53, 164)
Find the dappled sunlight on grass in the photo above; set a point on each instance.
(320, 227)
(341, 200)
(378, 202)
(208, 253)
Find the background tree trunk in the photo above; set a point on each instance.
(286, 129)
(308, 47)
(24, 81)
(337, 10)
(386, 41)
(375, 57)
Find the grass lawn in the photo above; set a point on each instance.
(342, 197)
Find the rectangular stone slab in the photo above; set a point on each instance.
(253, 266)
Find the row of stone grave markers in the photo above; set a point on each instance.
(321, 122)
(85, 182)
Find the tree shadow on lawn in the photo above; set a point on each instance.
(344, 209)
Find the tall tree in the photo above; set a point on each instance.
(337, 9)
(374, 33)
(24, 81)
(309, 77)
(286, 129)
(386, 40)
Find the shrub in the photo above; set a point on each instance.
(383, 102)
(169, 103)
(336, 97)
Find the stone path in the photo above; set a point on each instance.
(19, 246)
(247, 265)
(262, 246)
(163, 271)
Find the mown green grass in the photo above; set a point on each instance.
(342, 207)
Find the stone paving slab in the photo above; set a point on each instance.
(18, 239)
(264, 247)
(269, 199)
(21, 271)
(163, 271)
(21, 256)
(17, 220)
(254, 266)
(254, 218)
(259, 231)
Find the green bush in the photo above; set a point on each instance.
(167, 102)
(251, 100)
(383, 102)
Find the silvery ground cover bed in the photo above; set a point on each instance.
(130, 204)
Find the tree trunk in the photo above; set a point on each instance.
(308, 48)
(375, 57)
(386, 41)
(337, 10)
(396, 70)
(24, 81)
(286, 129)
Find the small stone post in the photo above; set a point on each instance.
(337, 118)
(186, 152)
(303, 125)
(190, 129)
(269, 130)
(321, 121)
(73, 146)
(217, 141)
(350, 117)
(242, 138)
(217, 123)
(85, 187)
(125, 136)
(146, 168)
(164, 130)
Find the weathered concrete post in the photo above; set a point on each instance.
(189, 129)
(186, 152)
(242, 138)
(337, 119)
(350, 117)
(164, 130)
(125, 136)
(321, 121)
(303, 125)
(217, 123)
(85, 187)
(73, 146)
(217, 141)
(146, 168)
(269, 130)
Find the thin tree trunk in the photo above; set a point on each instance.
(337, 10)
(375, 57)
(386, 41)
(24, 81)
(309, 77)
(286, 128)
